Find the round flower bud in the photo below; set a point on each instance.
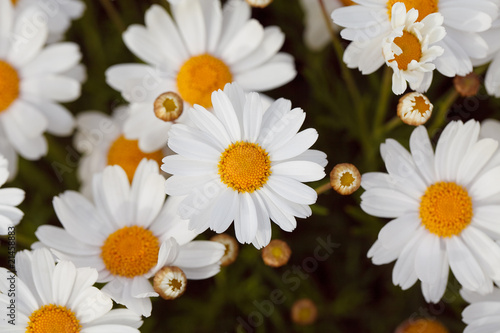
(170, 282)
(168, 106)
(414, 108)
(467, 86)
(232, 248)
(345, 178)
(304, 312)
(276, 253)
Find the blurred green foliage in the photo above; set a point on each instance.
(352, 294)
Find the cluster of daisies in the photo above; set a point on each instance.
(233, 155)
(197, 128)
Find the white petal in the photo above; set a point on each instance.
(199, 254)
(245, 223)
(189, 18)
(292, 189)
(463, 265)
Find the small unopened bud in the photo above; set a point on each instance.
(168, 106)
(467, 86)
(276, 253)
(259, 3)
(421, 326)
(414, 109)
(304, 312)
(345, 178)
(232, 248)
(170, 282)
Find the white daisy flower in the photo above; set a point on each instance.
(198, 51)
(9, 198)
(316, 34)
(483, 314)
(100, 140)
(407, 49)
(243, 163)
(57, 298)
(128, 234)
(32, 84)
(444, 209)
(369, 23)
(492, 79)
(57, 13)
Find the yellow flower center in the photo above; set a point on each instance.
(421, 105)
(130, 251)
(14, 2)
(9, 85)
(199, 77)
(175, 284)
(53, 319)
(244, 166)
(445, 209)
(126, 153)
(346, 179)
(424, 326)
(424, 7)
(411, 47)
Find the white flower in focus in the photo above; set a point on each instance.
(444, 206)
(100, 140)
(407, 49)
(58, 298)
(369, 23)
(9, 198)
(482, 314)
(128, 234)
(196, 52)
(57, 13)
(243, 163)
(32, 85)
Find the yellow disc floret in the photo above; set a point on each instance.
(9, 85)
(411, 47)
(446, 209)
(244, 166)
(422, 105)
(424, 7)
(199, 77)
(130, 251)
(126, 153)
(347, 179)
(53, 318)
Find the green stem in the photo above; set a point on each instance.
(383, 101)
(339, 50)
(363, 130)
(391, 124)
(113, 15)
(444, 106)
(323, 188)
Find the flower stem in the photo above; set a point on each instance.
(444, 106)
(113, 15)
(383, 101)
(323, 188)
(339, 50)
